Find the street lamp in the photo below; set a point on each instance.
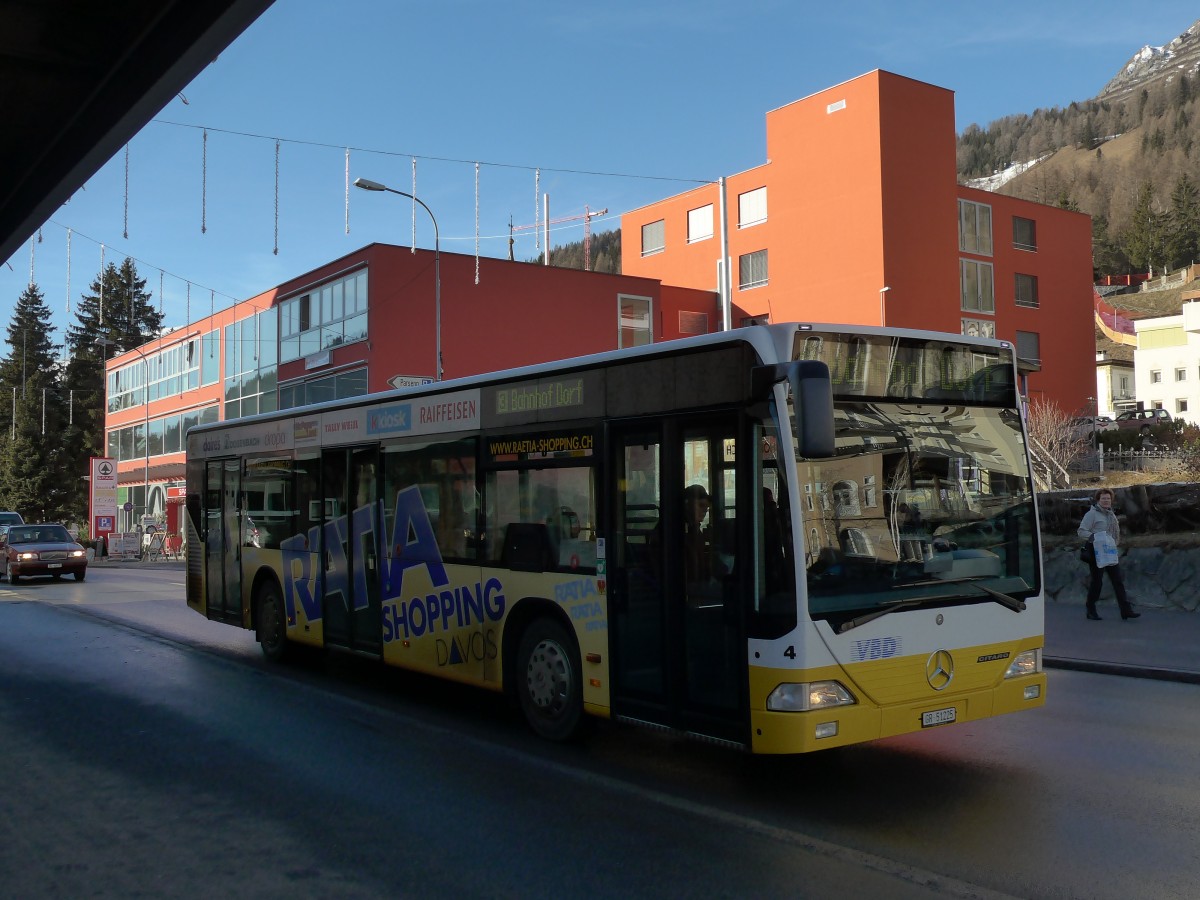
(368, 185)
(882, 316)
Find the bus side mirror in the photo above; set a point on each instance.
(812, 398)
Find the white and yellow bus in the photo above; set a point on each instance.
(783, 537)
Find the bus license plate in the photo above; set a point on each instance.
(938, 717)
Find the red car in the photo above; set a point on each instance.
(45, 550)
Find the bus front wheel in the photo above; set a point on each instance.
(271, 629)
(549, 680)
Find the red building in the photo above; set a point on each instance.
(362, 323)
(857, 216)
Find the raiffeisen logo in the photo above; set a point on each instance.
(390, 419)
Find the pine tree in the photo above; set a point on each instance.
(1183, 223)
(1143, 239)
(32, 455)
(1107, 256)
(116, 315)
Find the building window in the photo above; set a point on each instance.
(210, 355)
(1181, 374)
(654, 238)
(1156, 376)
(634, 326)
(693, 322)
(978, 292)
(855, 542)
(984, 328)
(1026, 290)
(1123, 383)
(169, 372)
(167, 434)
(974, 228)
(251, 371)
(700, 224)
(752, 207)
(328, 316)
(1181, 405)
(340, 386)
(1029, 346)
(845, 499)
(752, 270)
(1024, 233)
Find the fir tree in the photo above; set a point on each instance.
(116, 315)
(1183, 223)
(33, 457)
(1108, 258)
(1144, 236)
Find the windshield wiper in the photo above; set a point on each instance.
(1003, 599)
(892, 607)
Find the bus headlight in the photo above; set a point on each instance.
(1027, 663)
(810, 695)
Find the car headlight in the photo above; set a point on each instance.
(77, 553)
(27, 556)
(809, 695)
(1026, 663)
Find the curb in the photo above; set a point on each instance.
(1126, 671)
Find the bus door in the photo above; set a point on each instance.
(675, 616)
(222, 540)
(350, 549)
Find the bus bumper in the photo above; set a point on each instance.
(803, 732)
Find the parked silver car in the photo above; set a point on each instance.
(1082, 427)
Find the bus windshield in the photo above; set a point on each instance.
(927, 499)
(922, 502)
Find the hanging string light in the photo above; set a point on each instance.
(68, 271)
(204, 182)
(32, 255)
(125, 233)
(537, 209)
(477, 223)
(414, 204)
(347, 190)
(276, 250)
(102, 285)
(160, 293)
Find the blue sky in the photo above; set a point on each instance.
(617, 105)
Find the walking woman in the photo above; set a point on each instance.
(1100, 519)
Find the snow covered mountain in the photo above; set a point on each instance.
(1152, 63)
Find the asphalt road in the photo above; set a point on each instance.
(146, 751)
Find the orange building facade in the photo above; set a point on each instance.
(362, 323)
(857, 216)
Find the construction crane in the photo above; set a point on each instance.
(587, 217)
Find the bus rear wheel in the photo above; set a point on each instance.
(550, 680)
(271, 630)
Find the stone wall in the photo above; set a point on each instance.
(1155, 577)
(1160, 544)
